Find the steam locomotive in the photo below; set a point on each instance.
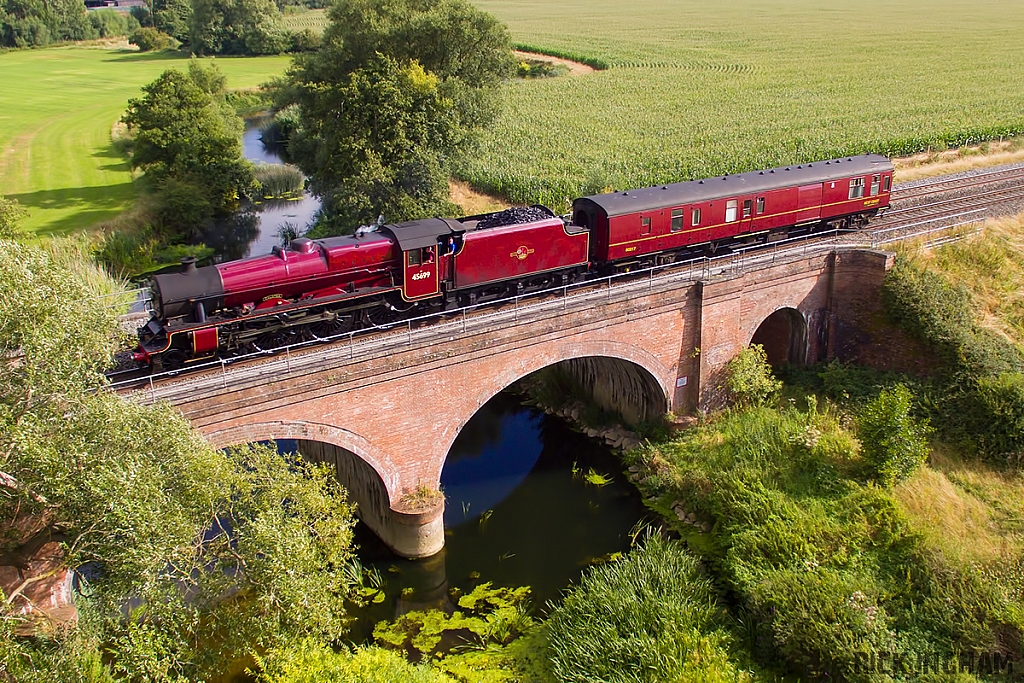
(319, 288)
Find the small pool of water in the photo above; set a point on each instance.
(256, 230)
(516, 514)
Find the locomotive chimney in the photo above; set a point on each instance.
(188, 264)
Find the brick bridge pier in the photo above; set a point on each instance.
(385, 414)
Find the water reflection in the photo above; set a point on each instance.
(256, 229)
(232, 237)
(515, 514)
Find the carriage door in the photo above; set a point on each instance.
(420, 273)
(746, 214)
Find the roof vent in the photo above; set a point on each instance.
(787, 168)
(799, 167)
(761, 173)
(772, 171)
(702, 182)
(664, 187)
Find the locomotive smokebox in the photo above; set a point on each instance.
(176, 294)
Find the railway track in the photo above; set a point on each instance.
(924, 208)
(907, 192)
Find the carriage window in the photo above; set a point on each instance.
(413, 257)
(875, 182)
(760, 205)
(645, 225)
(856, 188)
(747, 208)
(677, 219)
(885, 184)
(730, 211)
(694, 216)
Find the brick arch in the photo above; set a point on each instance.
(312, 431)
(782, 319)
(662, 376)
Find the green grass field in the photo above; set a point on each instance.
(695, 89)
(57, 108)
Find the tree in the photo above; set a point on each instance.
(217, 553)
(236, 27)
(185, 133)
(173, 18)
(894, 444)
(11, 213)
(397, 90)
(34, 23)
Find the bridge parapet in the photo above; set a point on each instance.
(397, 401)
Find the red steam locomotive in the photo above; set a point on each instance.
(318, 288)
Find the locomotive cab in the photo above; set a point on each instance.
(426, 258)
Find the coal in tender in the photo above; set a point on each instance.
(513, 216)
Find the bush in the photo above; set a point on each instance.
(182, 208)
(109, 23)
(894, 444)
(11, 213)
(306, 40)
(749, 377)
(149, 39)
(979, 402)
(650, 616)
(311, 662)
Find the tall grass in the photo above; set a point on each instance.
(648, 617)
(279, 181)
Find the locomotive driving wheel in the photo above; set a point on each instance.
(173, 359)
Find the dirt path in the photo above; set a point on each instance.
(473, 202)
(575, 68)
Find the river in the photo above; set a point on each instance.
(515, 514)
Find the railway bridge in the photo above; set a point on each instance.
(384, 409)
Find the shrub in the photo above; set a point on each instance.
(894, 444)
(647, 617)
(182, 208)
(306, 40)
(149, 39)
(311, 662)
(749, 377)
(821, 620)
(11, 213)
(109, 23)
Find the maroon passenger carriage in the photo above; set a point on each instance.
(318, 288)
(660, 224)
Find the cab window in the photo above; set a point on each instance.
(412, 257)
